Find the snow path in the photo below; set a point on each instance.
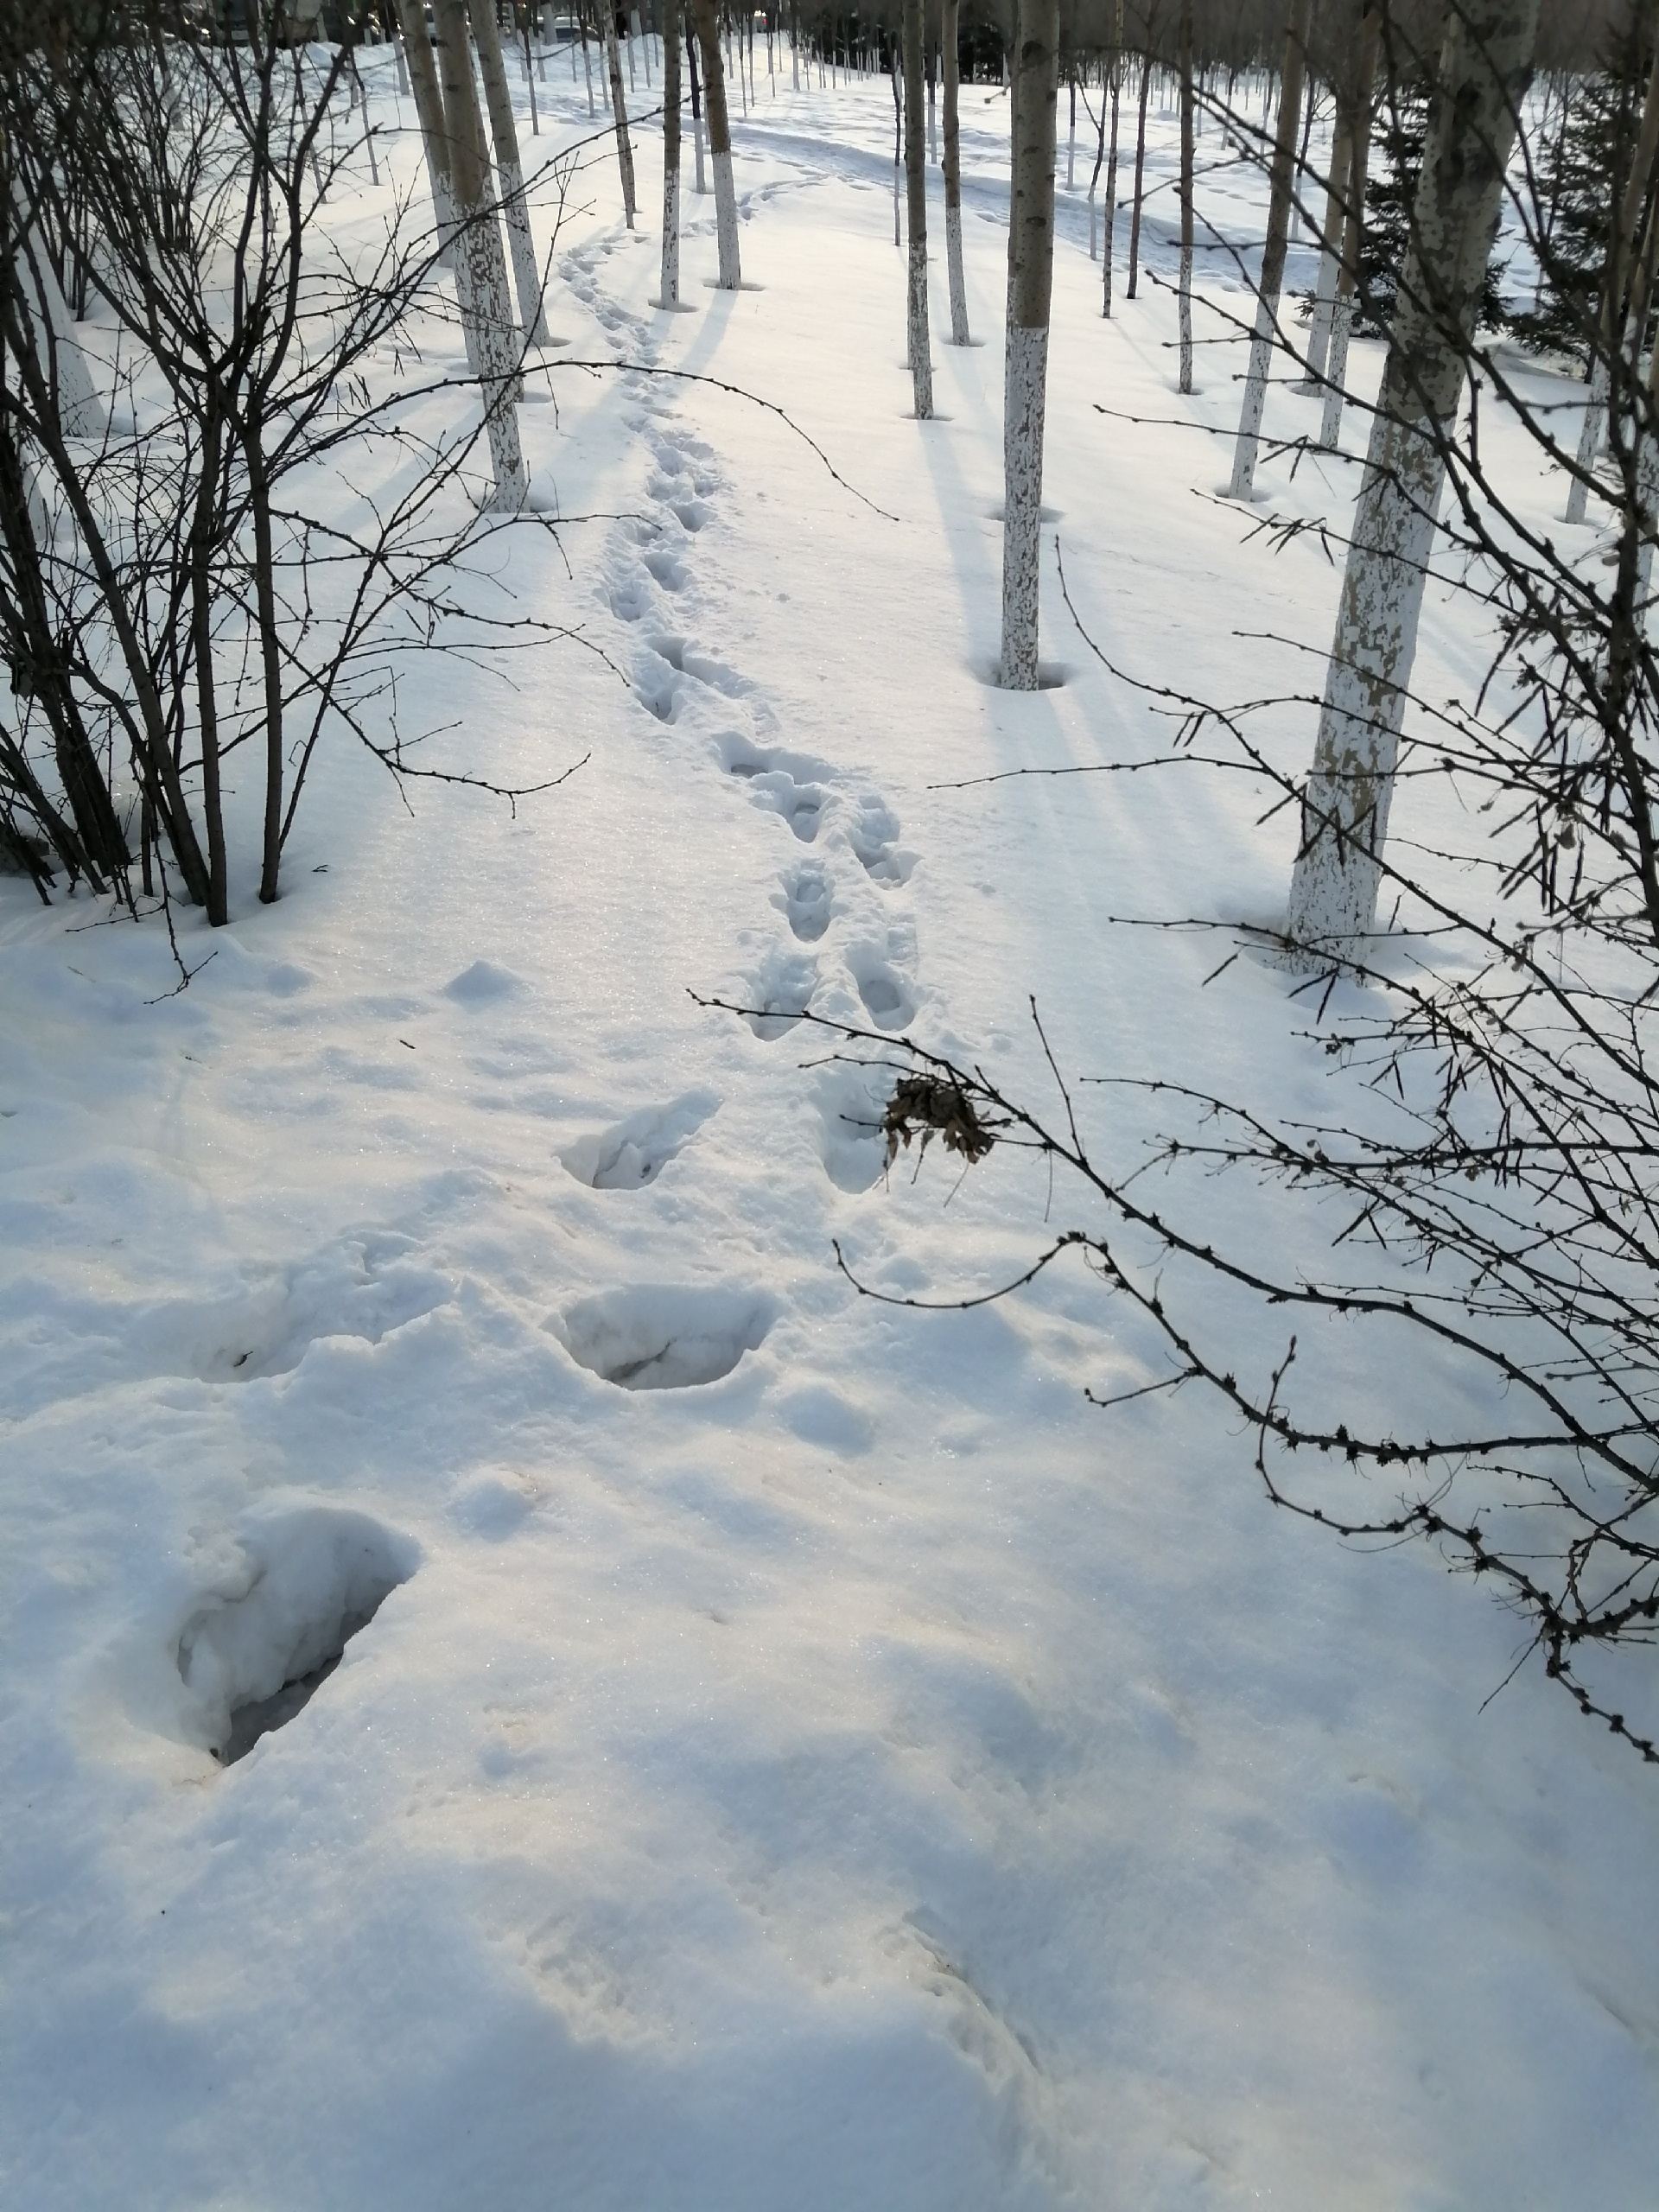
(802, 1755)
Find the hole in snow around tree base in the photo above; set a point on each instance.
(1051, 674)
(665, 1337)
(252, 1658)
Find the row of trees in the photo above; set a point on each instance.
(221, 535)
(1492, 1173)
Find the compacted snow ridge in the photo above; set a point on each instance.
(522, 1688)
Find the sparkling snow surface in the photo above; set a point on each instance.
(802, 1756)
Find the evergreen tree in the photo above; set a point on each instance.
(1390, 194)
(1582, 167)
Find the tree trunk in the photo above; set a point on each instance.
(620, 114)
(1281, 186)
(670, 291)
(720, 146)
(481, 267)
(526, 270)
(951, 58)
(76, 401)
(1111, 171)
(1482, 78)
(1615, 285)
(202, 640)
(696, 96)
(932, 118)
(1335, 204)
(1184, 299)
(587, 63)
(897, 140)
(1030, 273)
(917, 336)
(1308, 105)
(1353, 228)
(434, 136)
(270, 652)
(1139, 176)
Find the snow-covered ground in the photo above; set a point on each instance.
(853, 1772)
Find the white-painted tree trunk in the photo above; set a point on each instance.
(481, 266)
(1336, 203)
(1335, 370)
(1342, 307)
(1282, 182)
(1614, 304)
(434, 136)
(949, 58)
(1184, 292)
(620, 117)
(1025, 373)
(1107, 250)
(898, 146)
(917, 337)
(526, 270)
(1482, 78)
(668, 292)
(1025, 387)
(730, 277)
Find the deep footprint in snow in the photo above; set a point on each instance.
(874, 838)
(800, 804)
(808, 900)
(779, 992)
(657, 685)
(312, 1581)
(887, 999)
(667, 570)
(635, 1151)
(665, 1337)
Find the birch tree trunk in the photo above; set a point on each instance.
(619, 113)
(898, 139)
(1111, 172)
(917, 337)
(429, 111)
(720, 147)
(1353, 228)
(1281, 185)
(670, 294)
(951, 61)
(1482, 78)
(1615, 285)
(481, 267)
(1185, 297)
(1140, 173)
(587, 64)
(1335, 205)
(696, 96)
(1031, 272)
(526, 270)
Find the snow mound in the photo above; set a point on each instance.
(315, 1578)
(480, 984)
(661, 1337)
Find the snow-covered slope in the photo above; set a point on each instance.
(801, 1754)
